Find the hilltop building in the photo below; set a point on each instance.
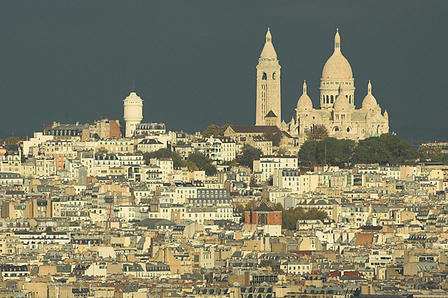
(337, 111)
(268, 108)
(133, 113)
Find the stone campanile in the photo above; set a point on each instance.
(268, 106)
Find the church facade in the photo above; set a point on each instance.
(337, 110)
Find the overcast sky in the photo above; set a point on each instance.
(193, 62)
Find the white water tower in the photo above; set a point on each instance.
(133, 113)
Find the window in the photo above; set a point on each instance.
(264, 76)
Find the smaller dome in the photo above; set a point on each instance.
(369, 101)
(341, 103)
(304, 102)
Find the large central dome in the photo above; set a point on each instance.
(337, 67)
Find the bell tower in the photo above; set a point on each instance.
(268, 86)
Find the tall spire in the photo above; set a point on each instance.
(369, 88)
(268, 49)
(337, 41)
(268, 35)
(304, 87)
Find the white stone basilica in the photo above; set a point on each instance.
(337, 110)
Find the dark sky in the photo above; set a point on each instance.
(193, 62)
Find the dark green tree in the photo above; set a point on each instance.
(249, 154)
(202, 162)
(165, 153)
(426, 153)
(385, 149)
(329, 151)
(292, 215)
(275, 138)
(371, 150)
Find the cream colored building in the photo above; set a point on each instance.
(268, 107)
(133, 113)
(337, 111)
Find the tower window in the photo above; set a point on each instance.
(265, 76)
(274, 75)
(332, 99)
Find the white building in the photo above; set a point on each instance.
(133, 113)
(297, 268)
(266, 165)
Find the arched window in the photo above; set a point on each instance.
(348, 129)
(332, 99)
(335, 128)
(274, 75)
(264, 77)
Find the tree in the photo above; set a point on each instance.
(275, 138)
(432, 153)
(275, 266)
(249, 154)
(292, 215)
(202, 162)
(371, 150)
(165, 153)
(329, 151)
(385, 149)
(307, 152)
(191, 165)
(316, 132)
(214, 130)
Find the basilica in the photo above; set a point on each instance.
(337, 111)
